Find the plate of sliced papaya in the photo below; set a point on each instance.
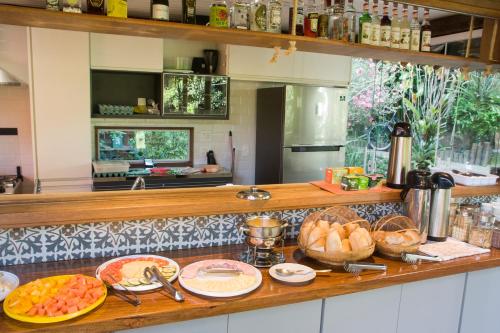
(54, 299)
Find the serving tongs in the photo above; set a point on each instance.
(356, 267)
(128, 296)
(152, 273)
(413, 258)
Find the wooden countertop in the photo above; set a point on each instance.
(64, 208)
(115, 314)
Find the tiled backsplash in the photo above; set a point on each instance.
(104, 239)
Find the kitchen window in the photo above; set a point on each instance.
(170, 146)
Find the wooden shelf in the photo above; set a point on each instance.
(132, 116)
(35, 17)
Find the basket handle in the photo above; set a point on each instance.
(377, 227)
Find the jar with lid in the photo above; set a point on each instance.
(463, 222)
(258, 16)
(218, 17)
(239, 15)
(481, 231)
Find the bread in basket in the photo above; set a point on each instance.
(336, 235)
(394, 234)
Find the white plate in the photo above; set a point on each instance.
(152, 286)
(248, 269)
(9, 281)
(296, 278)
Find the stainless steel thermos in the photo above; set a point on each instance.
(399, 156)
(416, 198)
(442, 183)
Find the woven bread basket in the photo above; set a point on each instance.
(343, 216)
(399, 224)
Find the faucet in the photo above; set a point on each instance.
(139, 183)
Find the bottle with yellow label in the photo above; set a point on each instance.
(117, 8)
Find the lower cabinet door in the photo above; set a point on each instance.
(216, 324)
(481, 309)
(293, 318)
(431, 306)
(369, 311)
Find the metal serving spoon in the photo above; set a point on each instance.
(290, 272)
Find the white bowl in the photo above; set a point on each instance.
(8, 282)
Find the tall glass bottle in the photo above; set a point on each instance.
(395, 28)
(311, 20)
(299, 22)
(405, 30)
(95, 7)
(72, 6)
(189, 11)
(349, 23)
(337, 22)
(239, 15)
(415, 31)
(365, 25)
(258, 16)
(323, 22)
(274, 16)
(426, 33)
(375, 24)
(385, 27)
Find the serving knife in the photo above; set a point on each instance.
(153, 273)
(219, 271)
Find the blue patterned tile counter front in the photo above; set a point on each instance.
(104, 239)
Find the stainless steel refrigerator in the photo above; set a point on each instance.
(301, 130)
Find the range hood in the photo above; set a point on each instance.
(7, 80)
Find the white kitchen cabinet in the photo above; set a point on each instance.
(60, 83)
(216, 324)
(369, 311)
(126, 53)
(431, 306)
(297, 318)
(252, 63)
(481, 302)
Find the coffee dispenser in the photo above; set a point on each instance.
(416, 198)
(399, 156)
(442, 183)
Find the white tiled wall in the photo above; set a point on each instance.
(214, 134)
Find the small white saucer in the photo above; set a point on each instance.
(10, 281)
(295, 278)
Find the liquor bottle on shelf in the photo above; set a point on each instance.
(375, 24)
(426, 32)
(415, 31)
(160, 10)
(189, 11)
(299, 22)
(323, 21)
(218, 16)
(258, 16)
(385, 27)
(95, 7)
(365, 25)
(117, 8)
(349, 23)
(239, 15)
(311, 20)
(395, 28)
(405, 30)
(72, 6)
(52, 5)
(337, 22)
(274, 16)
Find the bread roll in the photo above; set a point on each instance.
(305, 230)
(340, 230)
(413, 235)
(333, 241)
(393, 238)
(319, 245)
(365, 234)
(346, 245)
(325, 225)
(349, 228)
(358, 240)
(378, 235)
(316, 234)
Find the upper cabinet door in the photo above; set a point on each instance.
(126, 53)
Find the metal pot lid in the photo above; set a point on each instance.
(254, 193)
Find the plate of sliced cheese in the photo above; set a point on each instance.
(220, 278)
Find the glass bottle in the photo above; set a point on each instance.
(405, 30)
(375, 25)
(336, 22)
(415, 31)
(299, 22)
(426, 33)
(311, 20)
(95, 7)
(239, 15)
(274, 16)
(365, 25)
(323, 22)
(160, 10)
(395, 28)
(189, 11)
(349, 23)
(117, 8)
(52, 5)
(218, 16)
(385, 27)
(72, 6)
(258, 16)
